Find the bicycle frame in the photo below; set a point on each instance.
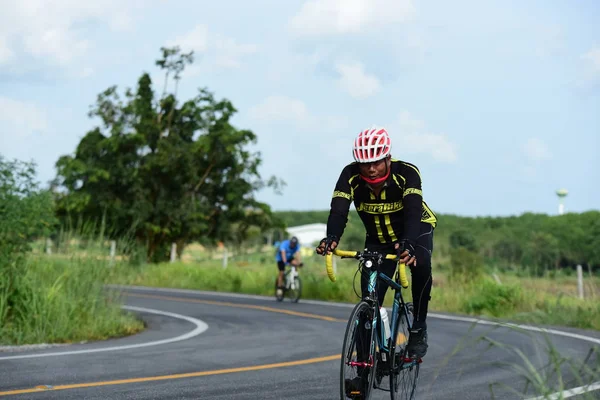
(290, 281)
(399, 306)
(398, 300)
(392, 352)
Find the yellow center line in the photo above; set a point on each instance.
(43, 388)
(237, 305)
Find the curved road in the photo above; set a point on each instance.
(202, 345)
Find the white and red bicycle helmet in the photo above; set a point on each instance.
(372, 145)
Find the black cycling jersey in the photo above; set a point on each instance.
(394, 215)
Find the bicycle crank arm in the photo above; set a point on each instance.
(360, 364)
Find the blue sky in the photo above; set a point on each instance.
(497, 102)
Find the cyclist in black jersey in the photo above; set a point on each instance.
(388, 197)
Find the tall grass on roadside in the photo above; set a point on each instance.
(63, 300)
(550, 372)
(485, 297)
(536, 366)
(249, 280)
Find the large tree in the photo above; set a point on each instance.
(163, 170)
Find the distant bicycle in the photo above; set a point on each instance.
(292, 284)
(370, 351)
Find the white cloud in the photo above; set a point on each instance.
(355, 81)
(50, 30)
(287, 110)
(230, 53)
(323, 17)
(280, 108)
(212, 50)
(536, 150)
(593, 59)
(409, 135)
(195, 40)
(86, 72)
(21, 118)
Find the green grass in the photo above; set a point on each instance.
(63, 300)
(532, 300)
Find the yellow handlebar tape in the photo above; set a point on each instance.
(347, 253)
(329, 267)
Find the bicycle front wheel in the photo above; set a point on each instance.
(359, 360)
(279, 293)
(405, 371)
(295, 289)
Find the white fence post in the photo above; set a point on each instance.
(48, 246)
(580, 281)
(113, 251)
(497, 278)
(173, 252)
(225, 255)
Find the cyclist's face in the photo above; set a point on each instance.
(374, 170)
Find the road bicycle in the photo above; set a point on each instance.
(366, 352)
(292, 284)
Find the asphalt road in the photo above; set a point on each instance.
(201, 345)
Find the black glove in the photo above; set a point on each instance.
(327, 241)
(406, 245)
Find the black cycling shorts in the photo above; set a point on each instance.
(281, 264)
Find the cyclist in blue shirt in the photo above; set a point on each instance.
(287, 253)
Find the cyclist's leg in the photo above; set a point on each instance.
(421, 290)
(281, 268)
(421, 275)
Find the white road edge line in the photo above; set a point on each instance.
(566, 393)
(569, 393)
(201, 326)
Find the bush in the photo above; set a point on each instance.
(462, 238)
(493, 299)
(467, 266)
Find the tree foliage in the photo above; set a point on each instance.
(163, 170)
(541, 242)
(26, 213)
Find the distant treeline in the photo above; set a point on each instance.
(538, 241)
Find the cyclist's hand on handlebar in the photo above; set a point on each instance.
(406, 253)
(329, 243)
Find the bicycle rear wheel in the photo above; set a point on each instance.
(359, 360)
(294, 289)
(405, 371)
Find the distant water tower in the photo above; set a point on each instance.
(561, 193)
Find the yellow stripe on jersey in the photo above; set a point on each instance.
(376, 219)
(408, 191)
(388, 221)
(428, 216)
(338, 193)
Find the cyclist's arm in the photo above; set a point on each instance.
(413, 203)
(340, 204)
(283, 251)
